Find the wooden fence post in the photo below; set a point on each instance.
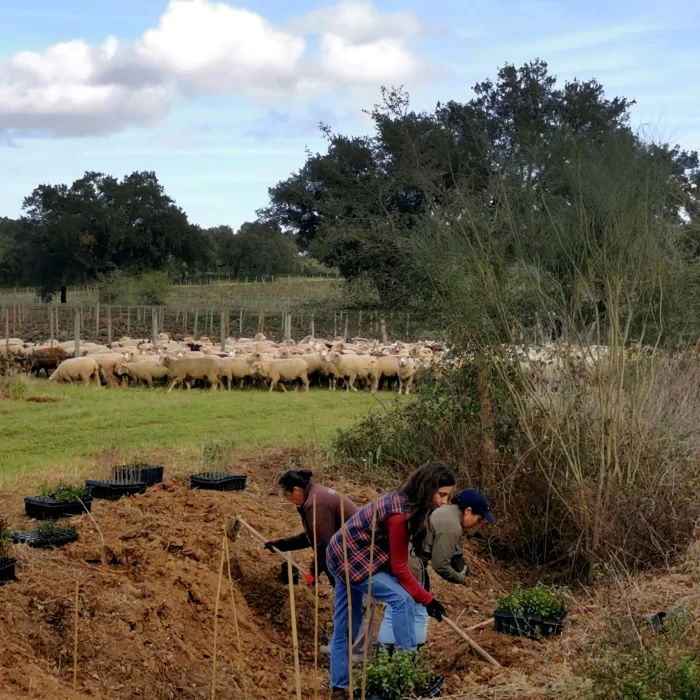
(335, 325)
(196, 318)
(97, 322)
(51, 331)
(76, 324)
(382, 324)
(128, 320)
(154, 319)
(223, 333)
(109, 324)
(345, 335)
(7, 336)
(240, 323)
(313, 327)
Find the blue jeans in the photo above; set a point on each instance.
(386, 589)
(386, 629)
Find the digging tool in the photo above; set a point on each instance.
(233, 528)
(471, 642)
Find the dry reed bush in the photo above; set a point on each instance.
(614, 454)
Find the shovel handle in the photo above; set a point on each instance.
(261, 537)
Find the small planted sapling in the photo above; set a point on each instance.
(50, 531)
(65, 493)
(59, 500)
(393, 677)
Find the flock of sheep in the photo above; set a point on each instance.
(244, 362)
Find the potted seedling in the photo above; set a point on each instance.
(405, 674)
(138, 472)
(532, 612)
(47, 534)
(59, 501)
(7, 563)
(215, 477)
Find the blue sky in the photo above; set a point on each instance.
(221, 99)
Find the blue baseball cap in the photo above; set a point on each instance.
(477, 502)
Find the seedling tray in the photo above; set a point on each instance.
(7, 569)
(530, 626)
(111, 491)
(150, 475)
(34, 539)
(434, 691)
(48, 509)
(218, 481)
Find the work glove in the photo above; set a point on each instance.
(436, 609)
(270, 544)
(310, 578)
(462, 575)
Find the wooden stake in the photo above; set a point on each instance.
(75, 637)
(216, 617)
(347, 586)
(235, 621)
(316, 680)
(295, 640)
(369, 633)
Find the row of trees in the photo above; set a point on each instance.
(100, 225)
(401, 208)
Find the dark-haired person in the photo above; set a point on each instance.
(400, 521)
(446, 526)
(299, 488)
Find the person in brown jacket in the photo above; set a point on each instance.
(299, 488)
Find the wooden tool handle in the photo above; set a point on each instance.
(472, 643)
(261, 537)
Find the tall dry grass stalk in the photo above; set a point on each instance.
(317, 583)
(237, 630)
(216, 616)
(295, 639)
(75, 636)
(348, 593)
(369, 618)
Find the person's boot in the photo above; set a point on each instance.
(339, 694)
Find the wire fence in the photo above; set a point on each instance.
(106, 323)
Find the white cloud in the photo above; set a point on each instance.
(209, 47)
(64, 91)
(359, 22)
(213, 47)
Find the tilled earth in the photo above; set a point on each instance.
(147, 600)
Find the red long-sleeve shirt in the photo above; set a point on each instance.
(398, 556)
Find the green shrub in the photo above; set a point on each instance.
(543, 600)
(65, 493)
(152, 289)
(633, 663)
(405, 674)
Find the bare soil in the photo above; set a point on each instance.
(146, 615)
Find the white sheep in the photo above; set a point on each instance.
(283, 371)
(192, 368)
(74, 368)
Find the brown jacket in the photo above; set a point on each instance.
(328, 521)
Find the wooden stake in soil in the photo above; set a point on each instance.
(295, 640)
(216, 617)
(369, 633)
(347, 586)
(235, 621)
(316, 680)
(75, 637)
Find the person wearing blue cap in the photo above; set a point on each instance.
(446, 527)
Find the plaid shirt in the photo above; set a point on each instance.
(358, 533)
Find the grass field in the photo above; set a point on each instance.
(85, 422)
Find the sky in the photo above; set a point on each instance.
(223, 99)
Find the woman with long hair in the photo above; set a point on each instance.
(400, 520)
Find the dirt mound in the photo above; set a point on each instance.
(146, 615)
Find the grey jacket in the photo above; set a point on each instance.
(441, 541)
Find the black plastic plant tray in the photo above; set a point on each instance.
(434, 691)
(43, 509)
(34, 539)
(7, 569)
(530, 626)
(148, 474)
(111, 491)
(218, 481)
